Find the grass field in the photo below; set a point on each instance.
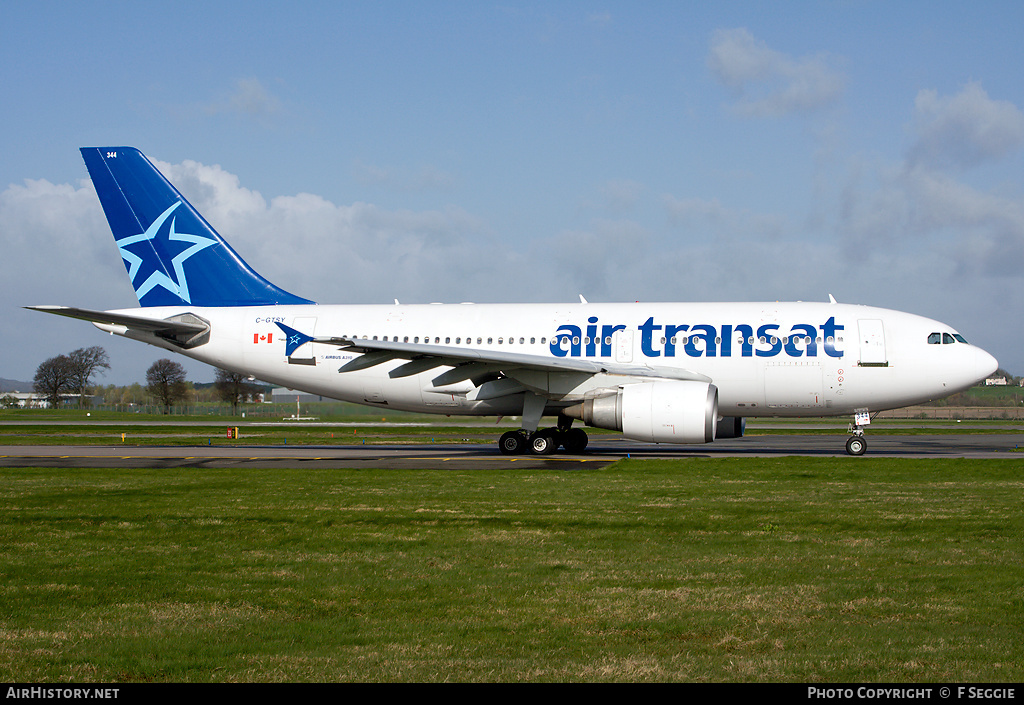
(795, 569)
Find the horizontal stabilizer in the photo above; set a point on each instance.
(186, 330)
(154, 325)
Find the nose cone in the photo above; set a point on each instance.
(985, 365)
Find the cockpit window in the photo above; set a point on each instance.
(945, 338)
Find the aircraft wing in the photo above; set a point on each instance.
(183, 330)
(470, 362)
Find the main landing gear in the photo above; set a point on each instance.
(544, 441)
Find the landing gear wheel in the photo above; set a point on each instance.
(575, 441)
(544, 442)
(512, 443)
(856, 445)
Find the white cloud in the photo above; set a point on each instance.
(915, 212)
(336, 253)
(249, 97)
(965, 129)
(913, 216)
(60, 251)
(424, 178)
(54, 234)
(621, 194)
(899, 234)
(704, 219)
(768, 83)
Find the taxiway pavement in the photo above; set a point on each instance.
(602, 451)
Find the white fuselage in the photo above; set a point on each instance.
(766, 359)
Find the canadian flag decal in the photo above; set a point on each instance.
(267, 338)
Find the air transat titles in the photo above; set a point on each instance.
(701, 339)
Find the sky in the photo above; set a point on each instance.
(359, 152)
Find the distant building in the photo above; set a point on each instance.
(32, 400)
(995, 382)
(28, 400)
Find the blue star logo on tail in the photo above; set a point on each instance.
(147, 270)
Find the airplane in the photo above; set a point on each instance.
(683, 373)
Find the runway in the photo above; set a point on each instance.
(464, 456)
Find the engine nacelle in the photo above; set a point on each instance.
(666, 411)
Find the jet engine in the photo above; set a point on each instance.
(666, 411)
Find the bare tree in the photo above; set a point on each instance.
(54, 379)
(233, 388)
(85, 363)
(165, 380)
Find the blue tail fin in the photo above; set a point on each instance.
(173, 256)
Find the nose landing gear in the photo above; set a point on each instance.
(856, 444)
